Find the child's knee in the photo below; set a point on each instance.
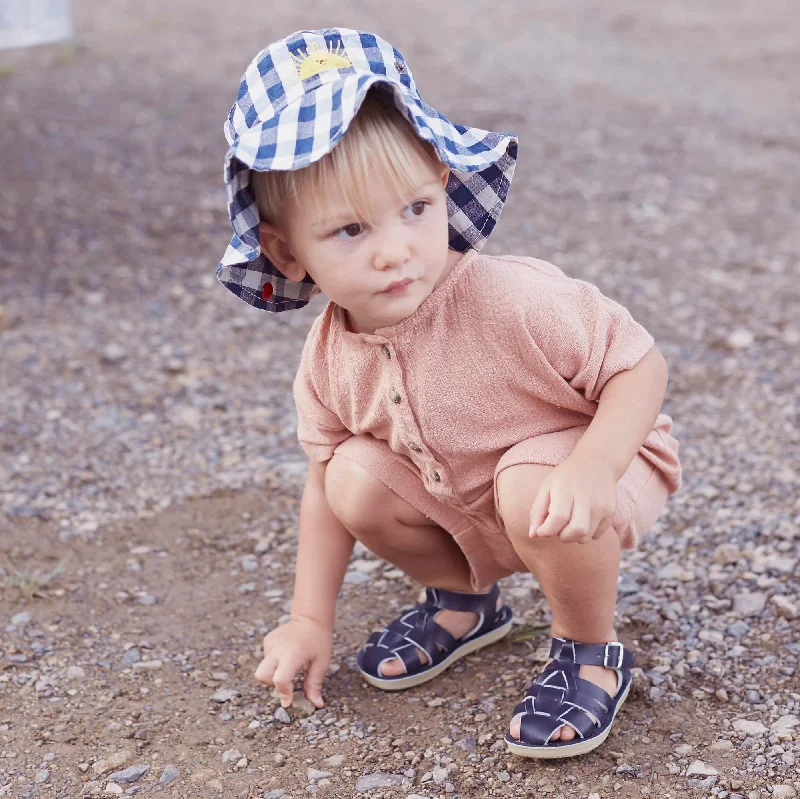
(356, 498)
(515, 490)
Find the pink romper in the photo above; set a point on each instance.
(503, 364)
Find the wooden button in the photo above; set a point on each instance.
(386, 352)
(394, 397)
(416, 447)
(436, 477)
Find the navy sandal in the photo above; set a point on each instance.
(560, 697)
(417, 629)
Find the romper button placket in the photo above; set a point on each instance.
(394, 397)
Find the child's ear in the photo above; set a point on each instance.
(275, 246)
(444, 174)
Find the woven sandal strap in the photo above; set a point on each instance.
(612, 655)
(410, 657)
(535, 729)
(426, 633)
(485, 603)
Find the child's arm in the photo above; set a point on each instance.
(578, 498)
(626, 412)
(323, 552)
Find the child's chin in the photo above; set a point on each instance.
(402, 310)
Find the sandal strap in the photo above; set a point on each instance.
(589, 698)
(410, 657)
(612, 655)
(485, 603)
(537, 729)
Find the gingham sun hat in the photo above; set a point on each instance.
(296, 101)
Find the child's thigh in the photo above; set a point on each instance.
(359, 499)
(385, 480)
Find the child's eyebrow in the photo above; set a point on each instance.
(344, 216)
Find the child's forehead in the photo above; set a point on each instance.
(348, 192)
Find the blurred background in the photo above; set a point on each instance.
(659, 158)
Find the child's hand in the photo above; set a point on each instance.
(576, 502)
(301, 643)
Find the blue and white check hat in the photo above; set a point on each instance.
(296, 101)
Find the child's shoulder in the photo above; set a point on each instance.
(518, 281)
(318, 337)
(510, 269)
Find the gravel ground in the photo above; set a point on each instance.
(149, 477)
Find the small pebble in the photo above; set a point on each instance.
(749, 727)
(224, 695)
(231, 754)
(700, 769)
(130, 774)
(749, 603)
(168, 775)
(784, 607)
(722, 746)
(371, 782)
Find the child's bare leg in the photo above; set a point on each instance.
(579, 580)
(395, 531)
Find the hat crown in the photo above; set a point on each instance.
(302, 62)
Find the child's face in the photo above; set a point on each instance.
(380, 273)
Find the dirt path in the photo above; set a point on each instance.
(659, 159)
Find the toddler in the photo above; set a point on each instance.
(465, 416)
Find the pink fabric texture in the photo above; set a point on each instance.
(478, 529)
(506, 350)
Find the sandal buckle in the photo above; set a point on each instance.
(620, 653)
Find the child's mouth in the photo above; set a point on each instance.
(398, 286)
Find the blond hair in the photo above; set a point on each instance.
(379, 139)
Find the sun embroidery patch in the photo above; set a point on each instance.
(317, 59)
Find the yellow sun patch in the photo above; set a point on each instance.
(317, 59)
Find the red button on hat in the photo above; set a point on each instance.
(266, 292)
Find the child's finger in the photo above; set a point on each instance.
(558, 516)
(313, 684)
(602, 527)
(577, 531)
(539, 510)
(266, 669)
(283, 680)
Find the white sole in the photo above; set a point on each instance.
(566, 750)
(401, 683)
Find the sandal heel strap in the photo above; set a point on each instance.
(459, 601)
(612, 655)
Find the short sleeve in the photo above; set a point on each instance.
(588, 338)
(319, 429)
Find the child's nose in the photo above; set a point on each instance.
(392, 251)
